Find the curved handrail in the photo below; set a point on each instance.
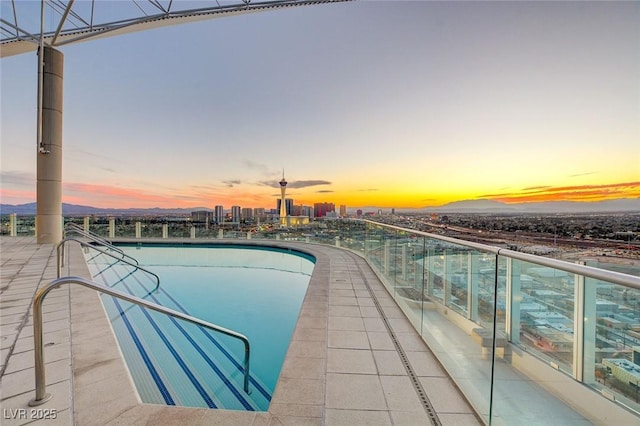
(88, 234)
(60, 255)
(72, 227)
(41, 392)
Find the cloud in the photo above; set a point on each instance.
(531, 188)
(582, 174)
(368, 190)
(231, 183)
(17, 196)
(324, 191)
(295, 185)
(113, 196)
(307, 183)
(570, 193)
(19, 179)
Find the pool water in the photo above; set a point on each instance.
(256, 292)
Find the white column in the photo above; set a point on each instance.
(138, 230)
(220, 234)
(49, 154)
(165, 230)
(193, 232)
(112, 228)
(85, 223)
(13, 225)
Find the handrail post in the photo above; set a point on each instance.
(60, 260)
(38, 348)
(247, 351)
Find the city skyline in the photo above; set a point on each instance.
(404, 105)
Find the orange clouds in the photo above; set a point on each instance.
(109, 196)
(17, 196)
(116, 197)
(570, 193)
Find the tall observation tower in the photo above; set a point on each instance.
(283, 205)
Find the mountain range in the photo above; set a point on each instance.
(621, 205)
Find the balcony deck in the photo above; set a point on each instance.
(342, 366)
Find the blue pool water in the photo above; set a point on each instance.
(256, 292)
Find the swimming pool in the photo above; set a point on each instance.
(254, 290)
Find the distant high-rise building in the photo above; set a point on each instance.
(300, 210)
(321, 209)
(260, 214)
(359, 213)
(343, 210)
(283, 210)
(201, 216)
(288, 205)
(306, 211)
(235, 214)
(247, 213)
(219, 214)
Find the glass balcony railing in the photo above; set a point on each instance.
(504, 324)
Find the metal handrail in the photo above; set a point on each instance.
(72, 227)
(60, 254)
(95, 236)
(41, 392)
(573, 268)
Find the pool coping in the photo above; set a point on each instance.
(99, 369)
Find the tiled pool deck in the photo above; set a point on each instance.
(342, 367)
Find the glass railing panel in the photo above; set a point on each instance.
(25, 226)
(392, 240)
(459, 315)
(409, 288)
(375, 246)
(456, 278)
(542, 312)
(150, 229)
(434, 269)
(204, 231)
(612, 344)
(100, 228)
(352, 235)
(125, 228)
(5, 224)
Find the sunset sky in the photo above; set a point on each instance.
(388, 104)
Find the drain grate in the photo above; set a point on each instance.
(422, 395)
